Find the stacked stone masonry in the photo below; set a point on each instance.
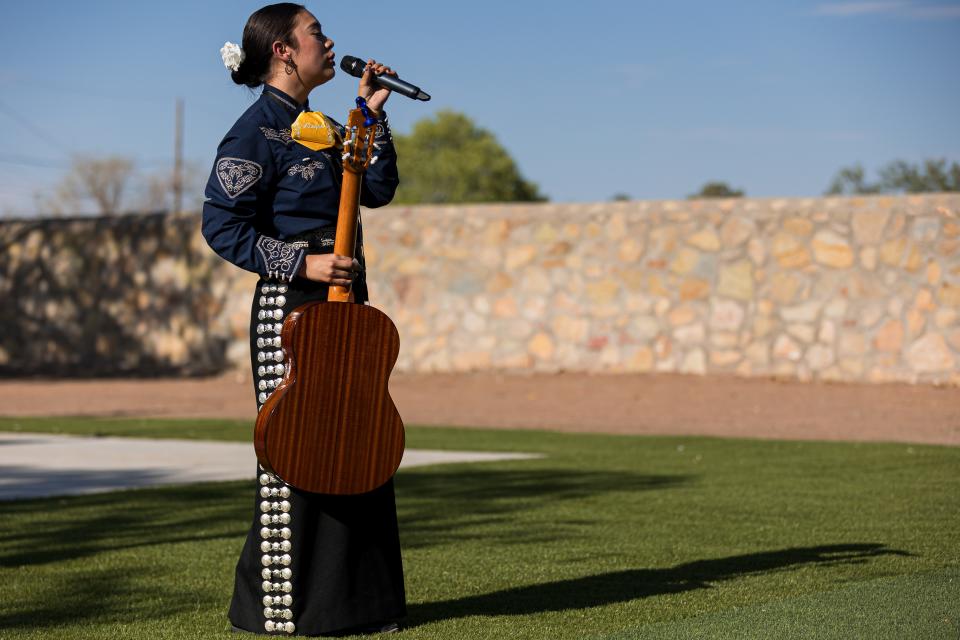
(847, 289)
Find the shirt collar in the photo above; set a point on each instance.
(283, 102)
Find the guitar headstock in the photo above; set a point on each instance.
(358, 145)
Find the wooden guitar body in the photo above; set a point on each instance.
(331, 426)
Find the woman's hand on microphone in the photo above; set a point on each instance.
(375, 95)
(330, 268)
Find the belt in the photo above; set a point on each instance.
(315, 241)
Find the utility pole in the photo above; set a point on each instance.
(178, 159)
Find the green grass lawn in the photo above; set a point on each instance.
(606, 537)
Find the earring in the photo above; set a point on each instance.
(289, 67)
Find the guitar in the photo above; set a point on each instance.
(330, 426)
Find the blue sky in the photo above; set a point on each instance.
(651, 99)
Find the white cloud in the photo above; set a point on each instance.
(934, 13)
(903, 9)
(857, 8)
(638, 73)
(754, 135)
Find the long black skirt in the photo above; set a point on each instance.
(312, 563)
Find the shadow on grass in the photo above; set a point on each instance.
(434, 508)
(438, 506)
(444, 506)
(133, 594)
(631, 584)
(37, 532)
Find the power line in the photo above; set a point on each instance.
(47, 163)
(29, 161)
(32, 128)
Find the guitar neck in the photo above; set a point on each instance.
(346, 239)
(358, 148)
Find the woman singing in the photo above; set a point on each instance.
(312, 563)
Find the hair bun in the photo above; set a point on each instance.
(250, 65)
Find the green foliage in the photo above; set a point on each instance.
(899, 177)
(851, 180)
(717, 190)
(605, 537)
(448, 159)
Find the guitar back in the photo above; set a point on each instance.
(331, 426)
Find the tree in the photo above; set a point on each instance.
(110, 185)
(851, 180)
(155, 191)
(449, 159)
(717, 190)
(899, 177)
(100, 180)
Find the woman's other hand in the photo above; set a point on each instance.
(375, 95)
(330, 269)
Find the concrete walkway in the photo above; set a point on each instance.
(36, 465)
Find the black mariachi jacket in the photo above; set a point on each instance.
(266, 188)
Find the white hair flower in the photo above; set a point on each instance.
(232, 55)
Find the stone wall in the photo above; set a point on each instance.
(127, 295)
(855, 289)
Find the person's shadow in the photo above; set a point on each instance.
(630, 584)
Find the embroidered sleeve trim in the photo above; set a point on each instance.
(236, 175)
(282, 259)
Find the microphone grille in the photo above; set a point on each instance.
(352, 65)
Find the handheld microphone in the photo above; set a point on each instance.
(355, 66)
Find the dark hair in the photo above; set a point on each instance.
(264, 27)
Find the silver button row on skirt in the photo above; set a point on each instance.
(269, 347)
(270, 327)
(276, 573)
(275, 509)
(271, 370)
(273, 288)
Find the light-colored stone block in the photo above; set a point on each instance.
(694, 362)
(736, 280)
(868, 226)
(736, 230)
(785, 348)
(690, 334)
(832, 250)
(819, 357)
(705, 239)
(726, 315)
(789, 252)
(930, 354)
(889, 337)
(684, 261)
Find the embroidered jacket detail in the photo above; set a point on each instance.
(282, 259)
(305, 171)
(383, 133)
(283, 101)
(236, 175)
(281, 135)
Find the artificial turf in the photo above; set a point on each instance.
(606, 537)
